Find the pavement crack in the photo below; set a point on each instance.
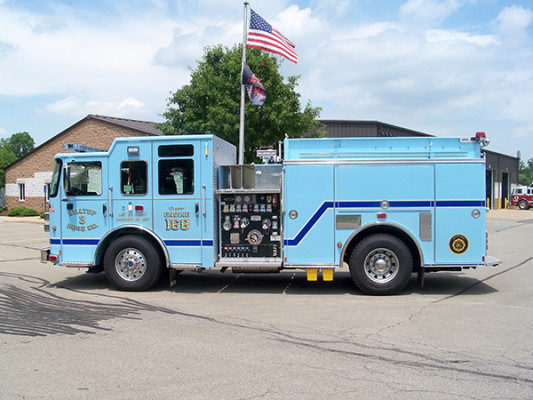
(463, 291)
(412, 363)
(483, 280)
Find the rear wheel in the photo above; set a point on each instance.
(381, 264)
(523, 205)
(132, 263)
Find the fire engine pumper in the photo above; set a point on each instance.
(382, 208)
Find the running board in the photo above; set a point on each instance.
(257, 265)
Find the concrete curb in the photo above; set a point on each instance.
(24, 220)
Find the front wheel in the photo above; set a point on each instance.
(381, 264)
(132, 263)
(523, 205)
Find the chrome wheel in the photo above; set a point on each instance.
(130, 264)
(523, 205)
(381, 265)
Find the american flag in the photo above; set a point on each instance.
(262, 36)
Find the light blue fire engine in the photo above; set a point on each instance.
(381, 208)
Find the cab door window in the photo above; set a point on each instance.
(176, 176)
(133, 177)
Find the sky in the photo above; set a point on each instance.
(447, 68)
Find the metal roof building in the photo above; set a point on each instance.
(502, 170)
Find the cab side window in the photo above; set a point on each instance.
(84, 179)
(176, 174)
(133, 177)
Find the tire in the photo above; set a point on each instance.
(523, 205)
(131, 263)
(381, 264)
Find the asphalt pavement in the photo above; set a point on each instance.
(66, 334)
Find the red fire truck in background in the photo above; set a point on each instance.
(522, 196)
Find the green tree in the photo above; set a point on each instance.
(19, 144)
(525, 172)
(12, 148)
(6, 158)
(211, 102)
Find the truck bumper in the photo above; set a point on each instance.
(45, 254)
(492, 261)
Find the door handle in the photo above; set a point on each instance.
(110, 201)
(204, 212)
(196, 209)
(104, 209)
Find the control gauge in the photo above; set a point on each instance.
(238, 199)
(254, 237)
(226, 225)
(247, 198)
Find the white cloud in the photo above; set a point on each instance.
(294, 21)
(76, 105)
(67, 105)
(512, 23)
(426, 12)
(98, 60)
(190, 38)
(131, 103)
(439, 35)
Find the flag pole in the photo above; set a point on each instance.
(243, 94)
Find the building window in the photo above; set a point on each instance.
(22, 191)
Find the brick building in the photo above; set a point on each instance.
(26, 178)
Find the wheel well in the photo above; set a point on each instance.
(390, 230)
(144, 234)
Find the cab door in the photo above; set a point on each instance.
(83, 209)
(178, 191)
(130, 184)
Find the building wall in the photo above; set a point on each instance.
(502, 174)
(340, 128)
(35, 169)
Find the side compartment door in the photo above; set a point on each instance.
(178, 190)
(460, 235)
(84, 219)
(309, 227)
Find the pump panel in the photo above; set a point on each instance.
(250, 225)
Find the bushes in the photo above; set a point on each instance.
(22, 211)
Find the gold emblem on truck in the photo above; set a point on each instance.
(458, 244)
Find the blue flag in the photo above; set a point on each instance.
(256, 91)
